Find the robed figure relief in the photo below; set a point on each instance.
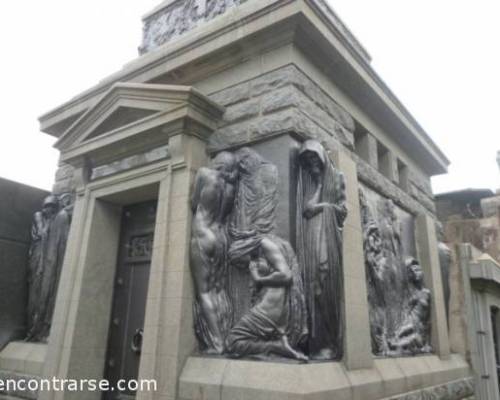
(265, 282)
(254, 211)
(49, 235)
(249, 298)
(321, 212)
(213, 197)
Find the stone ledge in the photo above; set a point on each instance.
(225, 379)
(23, 357)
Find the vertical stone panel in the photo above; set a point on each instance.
(357, 342)
(429, 260)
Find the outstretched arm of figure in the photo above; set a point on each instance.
(276, 278)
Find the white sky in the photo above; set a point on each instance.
(441, 58)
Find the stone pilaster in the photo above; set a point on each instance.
(429, 260)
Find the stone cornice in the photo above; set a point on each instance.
(264, 17)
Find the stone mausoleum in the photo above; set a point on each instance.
(242, 212)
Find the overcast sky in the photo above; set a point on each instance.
(441, 58)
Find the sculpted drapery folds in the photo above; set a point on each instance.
(376, 264)
(254, 211)
(242, 272)
(321, 211)
(49, 235)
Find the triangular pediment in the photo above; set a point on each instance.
(120, 117)
(123, 105)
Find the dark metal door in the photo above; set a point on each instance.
(129, 295)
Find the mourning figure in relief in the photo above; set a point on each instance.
(254, 212)
(414, 334)
(275, 325)
(212, 200)
(49, 235)
(321, 212)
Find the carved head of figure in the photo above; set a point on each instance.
(226, 164)
(373, 238)
(50, 206)
(312, 157)
(415, 274)
(248, 160)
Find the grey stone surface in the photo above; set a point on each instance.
(19, 202)
(127, 163)
(219, 379)
(371, 177)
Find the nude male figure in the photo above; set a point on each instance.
(212, 200)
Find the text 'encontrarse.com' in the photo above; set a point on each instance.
(76, 385)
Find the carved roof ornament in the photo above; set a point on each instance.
(172, 18)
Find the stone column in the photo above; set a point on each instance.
(357, 342)
(169, 334)
(429, 260)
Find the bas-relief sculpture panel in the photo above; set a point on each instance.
(257, 296)
(399, 303)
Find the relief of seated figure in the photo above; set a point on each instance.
(270, 327)
(413, 335)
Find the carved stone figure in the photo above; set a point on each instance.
(376, 265)
(321, 211)
(254, 212)
(213, 197)
(444, 263)
(413, 335)
(241, 270)
(49, 235)
(276, 323)
(398, 301)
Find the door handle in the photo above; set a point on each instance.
(136, 344)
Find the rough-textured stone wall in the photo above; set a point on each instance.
(287, 100)
(63, 179)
